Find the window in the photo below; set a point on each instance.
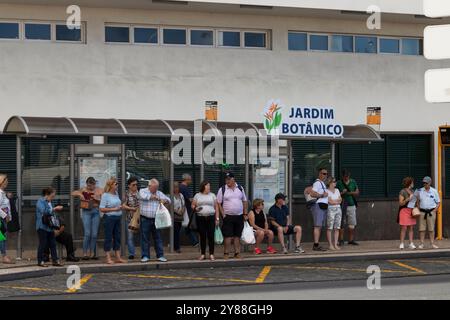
(117, 34)
(389, 45)
(318, 42)
(8, 161)
(202, 37)
(229, 38)
(174, 36)
(9, 30)
(412, 47)
(254, 39)
(297, 41)
(341, 43)
(145, 35)
(366, 44)
(37, 31)
(63, 33)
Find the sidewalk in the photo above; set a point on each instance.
(367, 250)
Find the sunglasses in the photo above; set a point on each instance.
(324, 173)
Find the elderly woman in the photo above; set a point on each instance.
(151, 198)
(5, 216)
(179, 208)
(90, 200)
(131, 205)
(111, 208)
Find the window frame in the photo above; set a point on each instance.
(411, 38)
(299, 32)
(52, 33)
(143, 26)
(20, 29)
(367, 36)
(266, 39)
(390, 38)
(120, 26)
(342, 35)
(328, 35)
(186, 44)
(213, 45)
(229, 30)
(82, 33)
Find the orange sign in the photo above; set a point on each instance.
(373, 115)
(211, 110)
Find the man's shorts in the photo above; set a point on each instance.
(334, 217)
(429, 222)
(319, 215)
(289, 231)
(233, 226)
(349, 216)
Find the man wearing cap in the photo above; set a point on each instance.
(233, 205)
(278, 218)
(320, 208)
(428, 203)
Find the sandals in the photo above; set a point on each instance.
(226, 256)
(237, 255)
(202, 257)
(211, 257)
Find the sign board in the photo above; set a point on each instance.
(101, 169)
(437, 85)
(211, 110)
(436, 8)
(435, 44)
(374, 116)
(445, 135)
(303, 121)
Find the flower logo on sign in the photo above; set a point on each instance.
(272, 116)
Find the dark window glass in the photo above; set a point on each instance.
(145, 35)
(174, 36)
(411, 47)
(342, 43)
(37, 31)
(297, 41)
(9, 30)
(366, 44)
(230, 38)
(255, 40)
(202, 37)
(65, 34)
(117, 34)
(318, 42)
(8, 161)
(389, 45)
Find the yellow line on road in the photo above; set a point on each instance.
(340, 269)
(406, 266)
(83, 280)
(185, 278)
(31, 289)
(435, 261)
(264, 273)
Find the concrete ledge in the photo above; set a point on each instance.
(26, 272)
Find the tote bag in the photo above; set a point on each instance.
(163, 219)
(248, 237)
(135, 221)
(218, 237)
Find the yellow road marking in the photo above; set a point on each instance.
(83, 280)
(435, 261)
(185, 278)
(31, 289)
(406, 266)
(264, 273)
(341, 269)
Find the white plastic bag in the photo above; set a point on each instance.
(185, 222)
(248, 237)
(163, 219)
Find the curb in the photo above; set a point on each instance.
(246, 262)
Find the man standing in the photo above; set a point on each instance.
(151, 199)
(319, 209)
(278, 215)
(428, 203)
(187, 194)
(349, 191)
(233, 206)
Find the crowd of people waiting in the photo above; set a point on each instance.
(332, 203)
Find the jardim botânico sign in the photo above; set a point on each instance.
(303, 121)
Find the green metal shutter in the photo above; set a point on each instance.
(308, 156)
(8, 160)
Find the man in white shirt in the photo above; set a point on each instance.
(428, 202)
(319, 209)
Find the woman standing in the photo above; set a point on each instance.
(131, 205)
(179, 208)
(334, 214)
(46, 234)
(111, 207)
(407, 201)
(5, 216)
(258, 220)
(90, 200)
(206, 208)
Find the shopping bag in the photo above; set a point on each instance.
(2, 235)
(218, 237)
(248, 237)
(193, 222)
(135, 221)
(163, 219)
(185, 222)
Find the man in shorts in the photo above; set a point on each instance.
(349, 191)
(429, 203)
(320, 208)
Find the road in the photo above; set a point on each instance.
(400, 279)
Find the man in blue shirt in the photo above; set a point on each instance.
(278, 219)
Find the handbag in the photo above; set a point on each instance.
(135, 221)
(2, 230)
(163, 219)
(193, 222)
(415, 213)
(86, 204)
(51, 221)
(185, 222)
(218, 237)
(248, 237)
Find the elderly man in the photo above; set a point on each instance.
(187, 194)
(151, 198)
(428, 203)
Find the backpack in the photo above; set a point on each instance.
(310, 200)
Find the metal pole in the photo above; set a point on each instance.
(289, 187)
(123, 239)
(247, 167)
(439, 180)
(171, 179)
(72, 187)
(333, 159)
(19, 194)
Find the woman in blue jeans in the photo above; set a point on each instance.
(90, 215)
(111, 208)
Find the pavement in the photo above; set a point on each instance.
(366, 251)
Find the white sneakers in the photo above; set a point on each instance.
(421, 246)
(402, 246)
(434, 246)
(411, 246)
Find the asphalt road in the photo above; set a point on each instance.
(399, 279)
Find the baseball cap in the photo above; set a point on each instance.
(280, 196)
(229, 175)
(427, 180)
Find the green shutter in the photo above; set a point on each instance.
(8, 160)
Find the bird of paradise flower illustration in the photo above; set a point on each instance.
(273, 117)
